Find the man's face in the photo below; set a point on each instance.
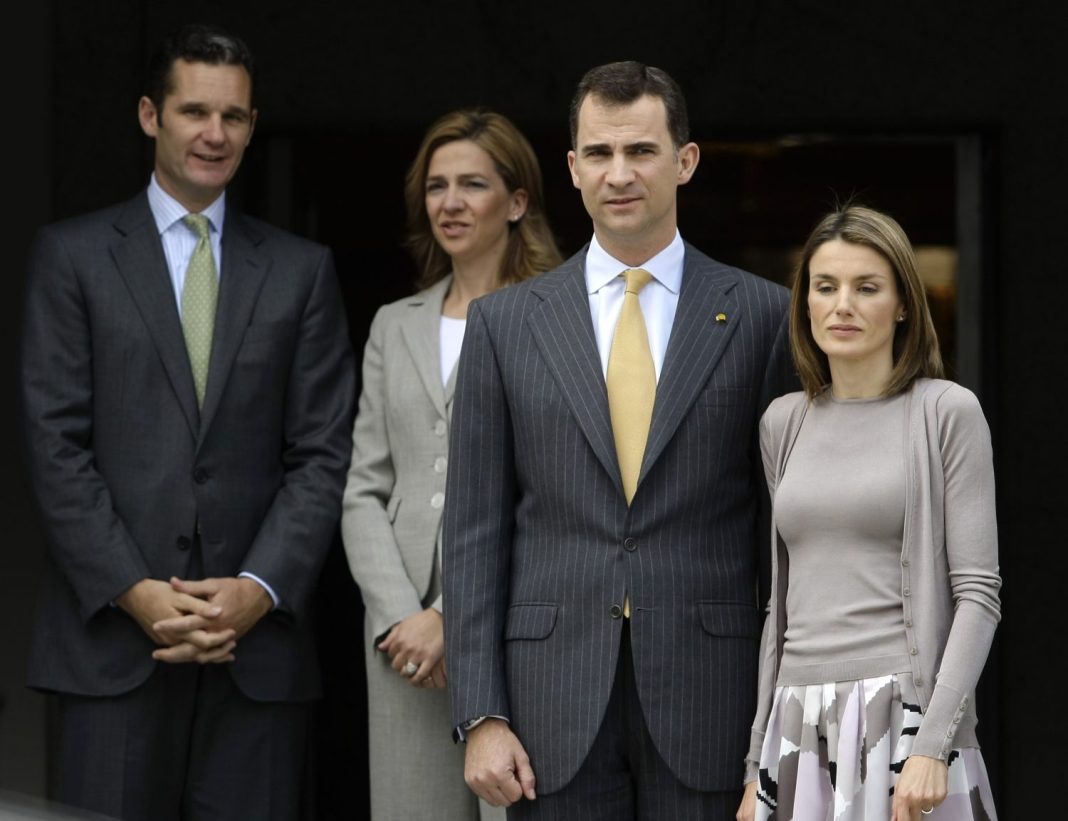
(202, 130)
(628, 170)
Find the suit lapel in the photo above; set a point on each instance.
(243, 270)
(138, 255)
(697, 342)
(421, 330)
(563, 331)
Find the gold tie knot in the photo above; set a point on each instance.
(636, 278)
(198, 224)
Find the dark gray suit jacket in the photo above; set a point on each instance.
(540, 545)
(125, 468)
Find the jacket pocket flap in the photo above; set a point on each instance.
(530, 621)
(729, 619)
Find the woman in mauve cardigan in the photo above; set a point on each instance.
(881, 478)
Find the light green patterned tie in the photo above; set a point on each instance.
(200, 295)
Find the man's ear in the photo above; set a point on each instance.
(571, 168)
(689, 156)
(251, 125)
(148, 116)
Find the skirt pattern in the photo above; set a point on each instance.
(833, 752)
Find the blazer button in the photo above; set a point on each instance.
(437, 501)
(615, 611)
(200, 476)
(184, 543)
(630, 544)
(440, 427)
(439, 464)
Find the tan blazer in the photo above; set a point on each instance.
(395, 493)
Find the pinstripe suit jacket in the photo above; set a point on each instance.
(539, 543)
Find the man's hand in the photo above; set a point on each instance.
(240, 602)
(496, 766)
(204, 640)
(922, 785)
(419, 639)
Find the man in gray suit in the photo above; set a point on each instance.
(601, 595)
(187, 388)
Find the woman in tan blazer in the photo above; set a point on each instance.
(476, 222)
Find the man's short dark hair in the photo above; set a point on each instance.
(624, 82)
(194, 43)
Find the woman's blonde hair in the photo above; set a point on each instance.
(531, 248)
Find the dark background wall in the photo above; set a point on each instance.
(345, 92)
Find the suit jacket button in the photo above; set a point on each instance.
(615, 611)
(184, 543)
(630, 544)
(200, 476)
(440, 427)
(437, 501)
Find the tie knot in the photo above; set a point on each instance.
(637, 278)
(198, 224)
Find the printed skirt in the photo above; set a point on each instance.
(833, 752)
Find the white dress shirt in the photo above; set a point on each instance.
(659, 299)
(179, 241)
(452, 339)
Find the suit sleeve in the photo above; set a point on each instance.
(299, 526)
(370, 545)
(478, 528)
(88, 542)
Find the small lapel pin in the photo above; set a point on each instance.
(721, 317)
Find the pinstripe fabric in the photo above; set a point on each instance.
(539, 543)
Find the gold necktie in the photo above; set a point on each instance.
(631, 382)
(200, 295)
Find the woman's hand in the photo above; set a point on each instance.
(747, 809)
(419, 640)
(922, 785)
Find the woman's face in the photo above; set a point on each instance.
(853, 304)
(467, 203)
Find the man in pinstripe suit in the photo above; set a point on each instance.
(602, 654)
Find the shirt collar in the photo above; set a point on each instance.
(665, 266)
(166, 210)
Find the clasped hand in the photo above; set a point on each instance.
(419, 639)
(196, 621)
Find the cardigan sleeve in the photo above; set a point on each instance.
(972, 558)
(771, 433)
